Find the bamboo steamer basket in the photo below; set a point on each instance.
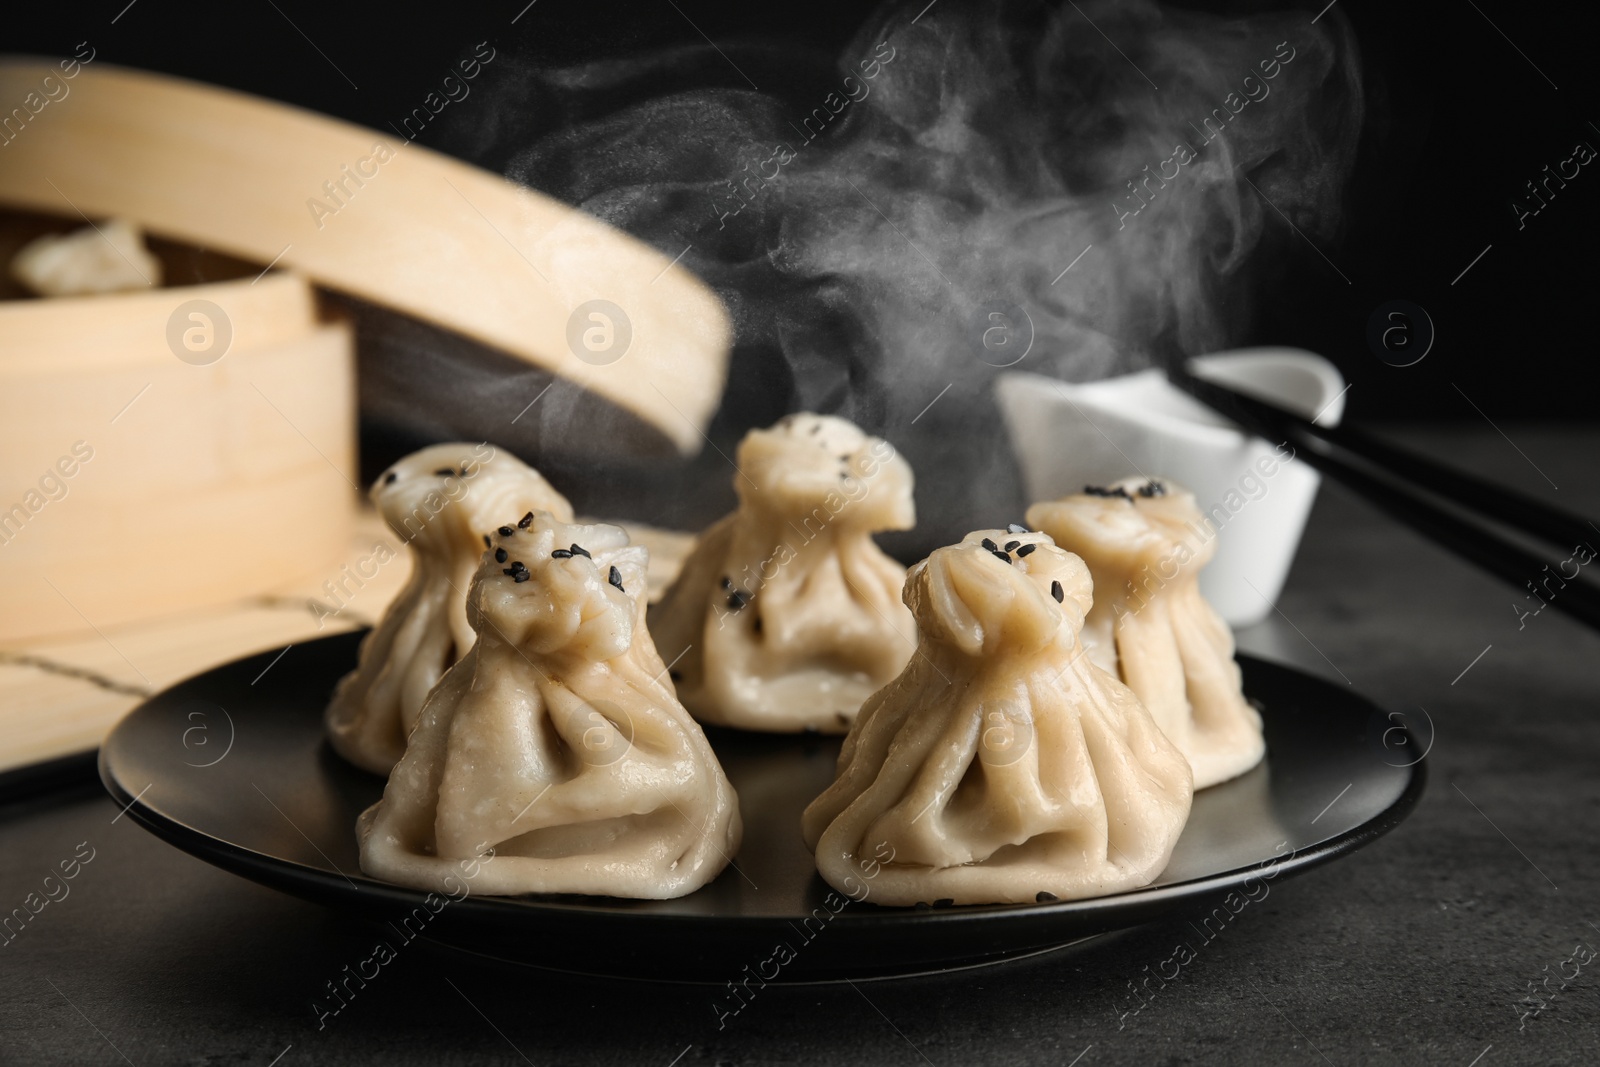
(214, 481)
(190, 484)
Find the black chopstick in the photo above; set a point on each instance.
(1515, 509)
(1382, 482)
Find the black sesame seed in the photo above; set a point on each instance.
(990, 545)
(1011, 546)
(727, 583)
(756, 626)
(506, 531)
(922, 905)
(509, 570)
(518, 565)
(615, 578)
(525, 522)
(944, 902)
(737, 599)
(844, 459)
(1043, 896)
(445, 472)
(1152, 488)
(1026, 550)
(1057, 592)
(389, 479)
(486, 541)
(579, 550)
(521, 576)
(561, 553)
(1014, 528)
(999, 555)
(676, 676)
(499, 555)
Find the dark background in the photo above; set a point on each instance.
(1458, 121)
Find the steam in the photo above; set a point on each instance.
(994, 146)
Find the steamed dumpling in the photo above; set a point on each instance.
(1145, 542)
(441, 501)
(110, 257)
(553, 746)
(1003, 765)
(787, 615)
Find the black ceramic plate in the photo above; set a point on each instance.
(231, 766)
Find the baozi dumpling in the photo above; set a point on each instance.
(787, 615)
(441, 502)
(553, 743)
(1003, 765)
(1145, 542)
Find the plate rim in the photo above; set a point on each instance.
(346, 888)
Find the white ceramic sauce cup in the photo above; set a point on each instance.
(1256, 495)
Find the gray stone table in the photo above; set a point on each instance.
(1414, 950)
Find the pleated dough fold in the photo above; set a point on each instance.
(440, 501)
(1002, 765)
(1145, 542)
(787, 615)
(555, 744)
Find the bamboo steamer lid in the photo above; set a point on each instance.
(398, 225)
